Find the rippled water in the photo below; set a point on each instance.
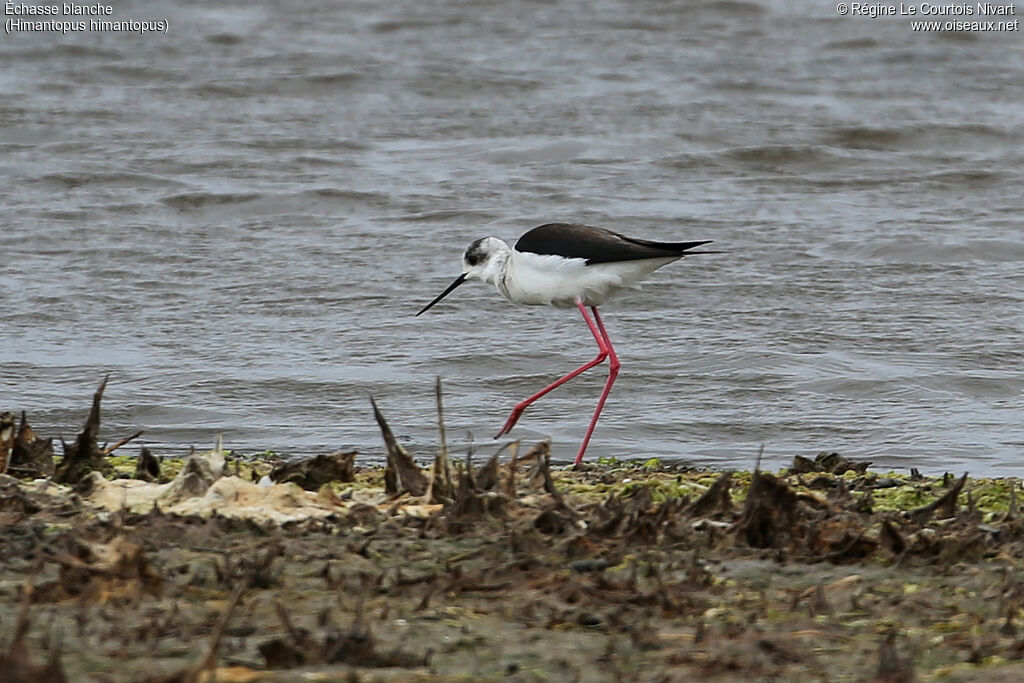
(238, 220)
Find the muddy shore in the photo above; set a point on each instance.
(220, 568)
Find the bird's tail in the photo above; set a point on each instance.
(686, 246)
(682, 247)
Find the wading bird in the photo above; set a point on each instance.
(566, 265)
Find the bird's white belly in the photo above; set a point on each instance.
(536, 280)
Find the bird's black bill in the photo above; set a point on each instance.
(458, 281)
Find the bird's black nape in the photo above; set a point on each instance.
(458, 281)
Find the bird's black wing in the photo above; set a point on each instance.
(596, 245)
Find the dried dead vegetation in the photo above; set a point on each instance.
(512, 569)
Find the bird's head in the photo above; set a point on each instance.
(483, 260)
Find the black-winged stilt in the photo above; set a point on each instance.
(566, 265)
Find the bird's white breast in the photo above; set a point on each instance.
(538, 280)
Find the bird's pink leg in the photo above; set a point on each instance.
(603, 351)
(613, 372)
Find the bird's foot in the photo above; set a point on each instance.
(510, 422)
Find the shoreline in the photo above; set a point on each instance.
(611, 572)
(216, 567)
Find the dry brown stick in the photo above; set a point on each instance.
(7, 436)
(510, 483)
(110, 449)
(401, 473)
(22, 623)
(286, 621)
(947, 503)
(441, 489)
(440, 417)
(210, 660)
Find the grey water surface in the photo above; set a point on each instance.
(237, 221)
